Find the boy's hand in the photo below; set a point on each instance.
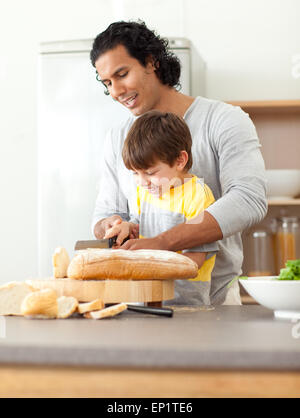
(104, 224)
(122, 230)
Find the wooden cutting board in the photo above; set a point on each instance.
(110, 291)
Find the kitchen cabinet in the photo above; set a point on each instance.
(278, 126)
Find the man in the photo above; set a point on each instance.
(140, 73)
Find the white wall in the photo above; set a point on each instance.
(248, 46)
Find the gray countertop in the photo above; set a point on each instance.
(228, 337)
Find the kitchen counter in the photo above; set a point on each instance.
(226, 337)
(231, 339)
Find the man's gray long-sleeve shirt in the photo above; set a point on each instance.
(226, 154)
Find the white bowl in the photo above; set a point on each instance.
(282, 296)
(282, 184)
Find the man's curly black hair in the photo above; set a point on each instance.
(140, 43)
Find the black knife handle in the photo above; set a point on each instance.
(151, 310)
(112, 241)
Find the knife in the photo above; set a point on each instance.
(97, 243)
(151, 310)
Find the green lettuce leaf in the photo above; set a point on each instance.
(291, 270)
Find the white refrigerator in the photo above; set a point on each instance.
(74, 115)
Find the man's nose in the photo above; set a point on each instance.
(117, 89)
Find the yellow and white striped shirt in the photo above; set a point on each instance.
(182, 203)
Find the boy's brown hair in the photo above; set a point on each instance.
(156, 136)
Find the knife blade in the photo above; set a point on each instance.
(96, 243)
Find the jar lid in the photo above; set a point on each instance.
(289, 219)
(259, 234)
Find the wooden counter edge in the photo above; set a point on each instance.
(39, 381)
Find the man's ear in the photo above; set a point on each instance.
(182, 160)
(150, 65)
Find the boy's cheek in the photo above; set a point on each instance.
(157, 181)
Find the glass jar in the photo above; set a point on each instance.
(287, 240)
(261, 254)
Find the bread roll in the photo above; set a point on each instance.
(12, 295)
(60, 262)
(40, 304)
(135, 265)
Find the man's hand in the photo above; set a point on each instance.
(144, 243)
(185, 235)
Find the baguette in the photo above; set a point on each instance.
(107, 312)
(135, 265)
(67, 305)
(95, 305)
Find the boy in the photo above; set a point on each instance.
(158, 151)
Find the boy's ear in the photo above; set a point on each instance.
(182, 160)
